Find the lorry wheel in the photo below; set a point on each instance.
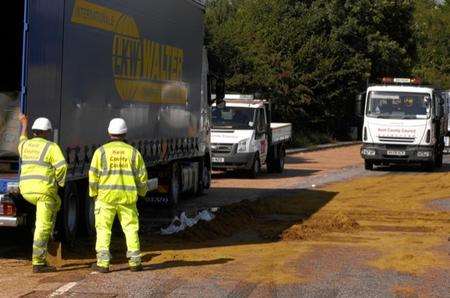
(174, 185)
(255, 169)
(276, 165)
(368, 165)
(68, 215)
(279, 162)
(204, 179)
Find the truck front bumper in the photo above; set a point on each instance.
(237, 161)
(383, 153)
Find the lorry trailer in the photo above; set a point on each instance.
(81, 63)
(245, 138)
(404, 122)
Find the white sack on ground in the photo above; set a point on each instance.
(188, 221)
(206, 215)
(181, 223)
(175, 227)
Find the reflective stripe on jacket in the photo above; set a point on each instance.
(117, 174)
(43, 166)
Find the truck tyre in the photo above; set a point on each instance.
(204, 179)
(279, 162)
(276, 164)
(255, 169)
(174, 185)
(368, 165)
(68, 214)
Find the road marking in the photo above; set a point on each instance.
(63, 289)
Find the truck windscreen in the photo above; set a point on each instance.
(398, 105)
(233, 117)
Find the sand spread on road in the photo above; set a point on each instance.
(380, 224)
(390, 215)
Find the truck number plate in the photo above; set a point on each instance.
(218, 159)
(396, 153)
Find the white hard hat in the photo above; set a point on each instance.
(117, 126)
(42, 124)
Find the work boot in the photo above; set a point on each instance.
(43, 269)
(136, 268)
(99, 268)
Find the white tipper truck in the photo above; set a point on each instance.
(244, 138)
(404, 122)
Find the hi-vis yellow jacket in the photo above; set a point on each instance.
(117, 174)
(43, 166)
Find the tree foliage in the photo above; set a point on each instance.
(432, 25)
(311, 58)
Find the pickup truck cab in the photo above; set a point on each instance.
(244, 138)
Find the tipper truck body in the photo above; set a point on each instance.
(81, 63)
(404, 123)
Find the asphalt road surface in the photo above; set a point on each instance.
(323, 228)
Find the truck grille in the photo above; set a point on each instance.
(396, 140)
(222, 148)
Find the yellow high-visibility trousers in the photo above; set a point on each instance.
(129, 220)
(47, 207)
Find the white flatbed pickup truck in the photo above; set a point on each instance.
(243, 137)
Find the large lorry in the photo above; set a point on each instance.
(245, 138)
(81, 63)
(404, 122)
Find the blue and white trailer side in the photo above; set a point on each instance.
(81, 63)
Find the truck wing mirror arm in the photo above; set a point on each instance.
(219, 90)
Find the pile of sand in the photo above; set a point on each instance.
(274, 219)
(320, 224)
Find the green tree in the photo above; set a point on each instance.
(311, 58)
(432, 25)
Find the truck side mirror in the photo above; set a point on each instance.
(220, 90)
(359, 104)
(216, 85)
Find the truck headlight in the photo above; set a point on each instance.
(369, 152)
(242, 146)
(423, 154)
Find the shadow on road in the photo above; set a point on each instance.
(295, 159)
(246, 222)
(181, 263)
